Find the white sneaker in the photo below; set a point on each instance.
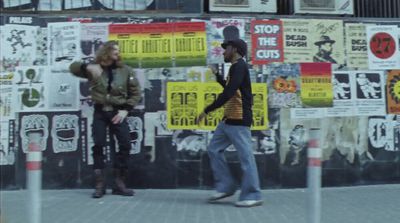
(218, 196)
(248, 203)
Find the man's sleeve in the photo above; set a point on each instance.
(133, 91)
(236, 73)
(78, 69)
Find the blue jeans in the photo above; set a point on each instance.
(240, 137)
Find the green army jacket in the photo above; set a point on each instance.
(125, 88)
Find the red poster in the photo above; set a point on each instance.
(267, 41)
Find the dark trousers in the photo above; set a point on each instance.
(101, 121)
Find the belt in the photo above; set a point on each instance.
(105, 108)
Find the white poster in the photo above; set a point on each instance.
(7, 108)
(63, 89)
(64, 44)
(243, 6)
(65, 133)
(50, 5)
(222, 29)
(369, 91)
(29, 88)
(7, 154)
(343, 95)
(18, 46)
(14, 3)
(306, 113)
(93, 35)
(383, 47)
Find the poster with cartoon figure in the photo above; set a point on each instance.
(135, 125)
(223, 29)
(30, 91)
(18, 46)
(34, 124)
(65, 133)
(284, 85)
(343, 99)
(369, 92)
(64, 44)
(381, 133)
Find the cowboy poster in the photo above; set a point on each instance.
(393, 92)
(316, 84)
(343, 97)
(383, 44)
(327, 41)
(267, 41)
(184, 104)
(369, 92)
(297, 40)
(356, 45)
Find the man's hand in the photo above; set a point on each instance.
(201, 117)
(119, 117)
(95, 70)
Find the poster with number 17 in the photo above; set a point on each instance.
(383, 53)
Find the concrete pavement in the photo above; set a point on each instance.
(361, 204)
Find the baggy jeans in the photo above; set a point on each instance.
(240, 137)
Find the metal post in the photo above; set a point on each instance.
(34, 178)
(314, 155)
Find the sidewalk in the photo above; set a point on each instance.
(366, 204)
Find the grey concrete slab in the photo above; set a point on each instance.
(366, 204)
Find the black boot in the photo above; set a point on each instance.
(100, 188)
(119, 187)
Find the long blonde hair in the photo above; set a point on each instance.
(104, 53)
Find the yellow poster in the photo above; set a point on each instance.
(210, 92)
(393, 92)
(260, 109)
(316, 84)
(184, 104)
(190, 44)
(186, 100)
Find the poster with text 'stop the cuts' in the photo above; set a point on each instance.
(18, 46)
(183, 104)
(267, 41)
(64, 44)
(383, 47)
(393, 92)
